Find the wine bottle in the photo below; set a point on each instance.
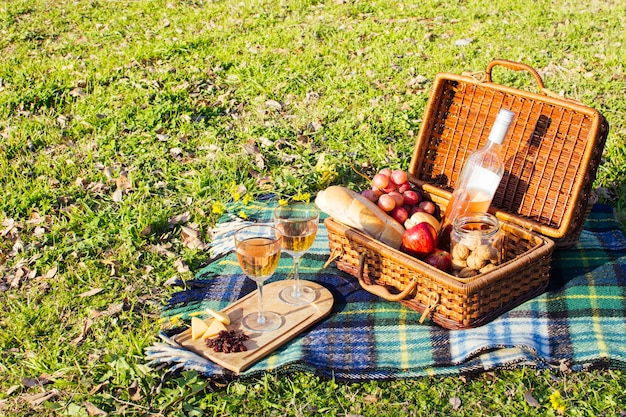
(480, 176)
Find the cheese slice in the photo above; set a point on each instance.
(215, 327)
(223, 317)
(198, 328)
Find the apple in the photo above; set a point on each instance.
(371, 195)
(380, 181)
(412, 197)
(422, 216)
(386, 202)
(398, 198)
(399, 176)
(405, 186)
(400, 214)
(420, 240)
(440, 259)
(428, 206)
(391, 186)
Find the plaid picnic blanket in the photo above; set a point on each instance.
(579, 323)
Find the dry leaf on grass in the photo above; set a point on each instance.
(87, 322)
(92, 410)
(91, 292)
(117, 196)
(12, 389)
(40, 398)
(163, 250)
(178, 219)
(135, 391)
(51, 272)
(113, 310)
(530, 400)
(455, 402)
(190, 238)
(180, 265)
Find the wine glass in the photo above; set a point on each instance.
(258, 253)
(298, 224)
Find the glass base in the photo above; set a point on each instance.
(272, 321)
(305, 296)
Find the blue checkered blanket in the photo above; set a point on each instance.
(580, 322)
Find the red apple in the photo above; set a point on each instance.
(400, 214)
(440, 259)
(380, 181)
(420, 240)
(371, 195)
(391, 186)
(386, 202)
(398, 198)
(428, 206)
(412, 197)
(399, 176)
(406, 186)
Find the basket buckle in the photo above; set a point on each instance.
(433, 302)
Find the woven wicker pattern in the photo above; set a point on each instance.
(452, 302)
(551, 152)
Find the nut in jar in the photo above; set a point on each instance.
(475, 244)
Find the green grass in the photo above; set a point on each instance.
(162, 97)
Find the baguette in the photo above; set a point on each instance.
(354, 210)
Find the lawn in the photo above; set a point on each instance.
(122, 121)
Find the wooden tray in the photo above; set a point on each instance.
(296, 319)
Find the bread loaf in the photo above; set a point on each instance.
(354, 210)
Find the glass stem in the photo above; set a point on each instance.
(296, 282)
(261, 317)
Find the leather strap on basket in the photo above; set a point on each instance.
(380, 290)
(433, 302)
(334, 255)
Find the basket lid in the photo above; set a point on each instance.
(551, 152)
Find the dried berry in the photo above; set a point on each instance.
(228, 342)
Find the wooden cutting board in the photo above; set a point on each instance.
(296, 319)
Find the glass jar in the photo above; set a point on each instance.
(475, 244)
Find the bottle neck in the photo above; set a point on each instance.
(498, 131)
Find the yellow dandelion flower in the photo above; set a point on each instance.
(283, 202)
(218, 208)
(302, 197)
(557, 402)
(247, 199)
(243, 214)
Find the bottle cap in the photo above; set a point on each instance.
(501, 125)
(505, 116)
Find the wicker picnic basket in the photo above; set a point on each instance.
(551, 155)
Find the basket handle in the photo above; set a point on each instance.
(379, 290)
(518, 66)
(515, 66)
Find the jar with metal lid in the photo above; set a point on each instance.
(475, 244)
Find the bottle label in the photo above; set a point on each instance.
(484, 182)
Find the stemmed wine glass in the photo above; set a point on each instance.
(298, 224)
(258, 253)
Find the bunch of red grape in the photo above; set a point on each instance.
(395, 195)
